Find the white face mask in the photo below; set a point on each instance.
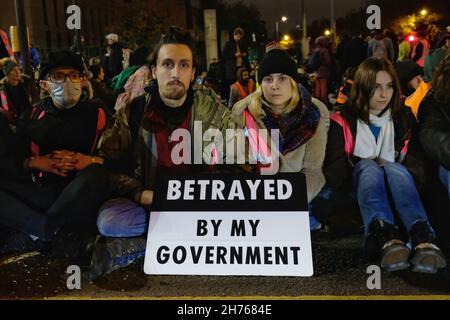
(65, 95)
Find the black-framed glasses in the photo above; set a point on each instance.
(60, 77)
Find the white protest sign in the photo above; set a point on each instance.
(235, 243)
(189, 236)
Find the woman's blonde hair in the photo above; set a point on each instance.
(255, 105)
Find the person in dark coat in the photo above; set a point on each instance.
(234, 56)
(113, 64)
(15, 89)
(434, 134)
(51, 182)
(434, 117)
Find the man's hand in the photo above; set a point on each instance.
(146, 198)
(82, 161)
(50, 164)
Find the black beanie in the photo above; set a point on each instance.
(406, 71)
(276, 61)
(62, 59)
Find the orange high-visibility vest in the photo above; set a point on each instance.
(414, 100)
(242, 93)
(342, 97)
(426, 50)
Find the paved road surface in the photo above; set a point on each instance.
(340, 270)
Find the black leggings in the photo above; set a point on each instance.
(40, 210)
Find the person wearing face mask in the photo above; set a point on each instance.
(373, 153)
(241, 88)
(54, 184)
(280, 103)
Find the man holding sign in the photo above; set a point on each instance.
(140, 143)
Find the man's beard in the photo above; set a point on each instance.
(174, 92)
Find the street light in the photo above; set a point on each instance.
(423, 12)
(283, 19)
(327, 32)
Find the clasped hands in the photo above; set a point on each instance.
(61, 162)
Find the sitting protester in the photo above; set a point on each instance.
(52, 184)
(280, 103)
(139, 146)
(373, 150)
(100, 89)
(434, 117)
(414, 89)
(15, 97)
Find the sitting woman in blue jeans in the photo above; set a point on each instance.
(372, 150)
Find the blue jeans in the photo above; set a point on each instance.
(444, 176)
(374, 184)
(314, 224)
(122, 217)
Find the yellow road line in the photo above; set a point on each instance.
(19, 257)
(374, 297)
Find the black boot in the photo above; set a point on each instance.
(427, 257)
(76, 247)
(383, 242)
(111, 254)
(15, 242)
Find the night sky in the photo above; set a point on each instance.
(315, 9)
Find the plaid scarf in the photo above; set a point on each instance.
(297, 127)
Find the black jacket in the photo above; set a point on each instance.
(338, 168)
(51, 129)
(229, 59)
(434, 134)
(114, 63)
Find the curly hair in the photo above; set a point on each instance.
(440, 81)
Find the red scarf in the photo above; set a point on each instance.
(163, 144)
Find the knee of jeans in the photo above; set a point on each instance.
(366, 165)
(104, 224)
(108, 224)
(395, 168)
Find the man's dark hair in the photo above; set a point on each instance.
(175, 35)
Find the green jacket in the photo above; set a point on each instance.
(432, 62)
(119, 81)
(129, 146)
